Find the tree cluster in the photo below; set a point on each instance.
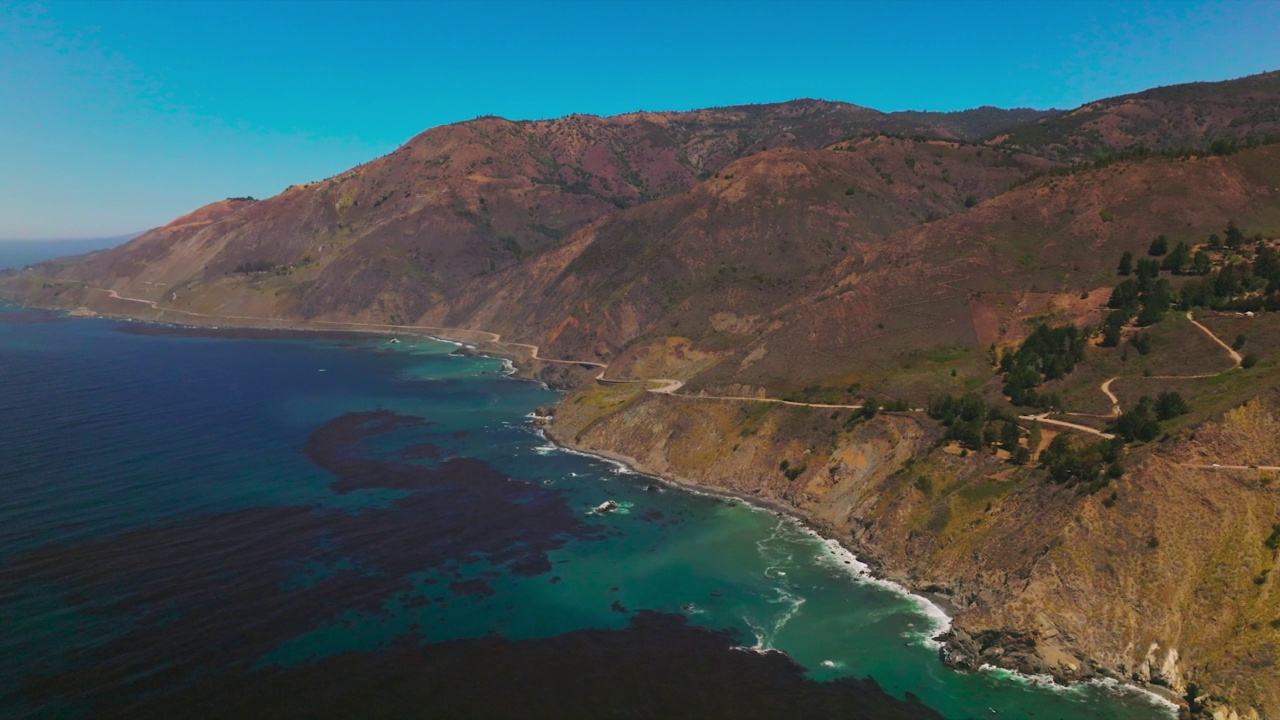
(1049, 353)
(1246, 278)
(975, 425)
(1141, 423)
(1072, 461)
(1146, 295)
(254, 267)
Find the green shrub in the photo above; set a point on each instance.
(1273, 541)
(924, 485)
(1141, 342)
(1139, 423)
(1170, 405)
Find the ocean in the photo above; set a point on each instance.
(17, 254)
(200, 525)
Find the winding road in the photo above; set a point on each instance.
(1236, 361)
(1044, 418)
(668, 386)
(671, 386)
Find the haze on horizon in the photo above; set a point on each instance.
(121, 116)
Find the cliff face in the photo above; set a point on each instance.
(1165, 577)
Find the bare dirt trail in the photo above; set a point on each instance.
(1236, 360)
(1217, 466)
(1044, 418)
(1235, 356)
(1115, 401)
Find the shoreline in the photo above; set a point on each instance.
(945, 608)
(1160, 696)
(871, 569)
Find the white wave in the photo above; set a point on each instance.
(454, 343)
(836, 664)
(767, 631)
(840, 557)
(1110, 685)
(618, 467)
(835, 554)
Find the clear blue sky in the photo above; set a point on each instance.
(117, 117)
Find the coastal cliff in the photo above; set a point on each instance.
(1042, 579)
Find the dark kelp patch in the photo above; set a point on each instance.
(221, 591)
(657, 667)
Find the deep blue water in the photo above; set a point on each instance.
(309, 527)
(21, 253)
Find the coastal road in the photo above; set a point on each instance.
(488, 336)
(669, 386)
(534, 354)
(1044, 418)
(1216, 466)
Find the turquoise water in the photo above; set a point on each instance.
(174, 509)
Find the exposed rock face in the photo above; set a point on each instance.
(1046, 580)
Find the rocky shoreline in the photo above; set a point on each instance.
(1009, 650)
(958, 649)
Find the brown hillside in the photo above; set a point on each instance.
(764, 288)
(765, 232)
(1189, 116)
(391, 239)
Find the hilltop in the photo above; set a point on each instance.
(1190, 117)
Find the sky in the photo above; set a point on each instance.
(118, 117)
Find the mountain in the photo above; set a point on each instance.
(393, 238)
(766, 229)
(836, 257)
(1191, 117)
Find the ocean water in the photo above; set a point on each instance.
(17, 254)
(336, 526)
